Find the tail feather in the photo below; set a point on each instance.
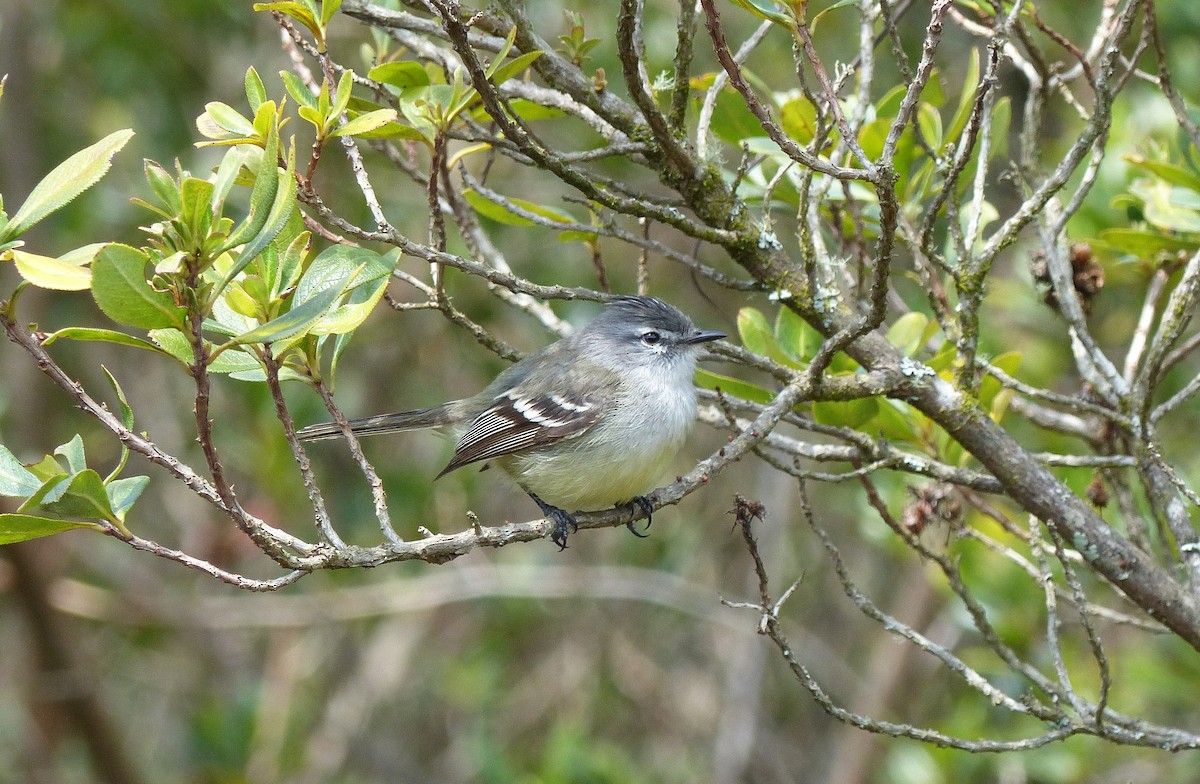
(420, 419)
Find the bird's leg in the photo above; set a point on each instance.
(564, 522)
(643, 503)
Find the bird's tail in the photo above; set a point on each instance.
(420, 419)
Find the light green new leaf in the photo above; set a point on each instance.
(126, 421)
(282, 208)
(51, 489)
(298, 90)
(333, 266)
(229, 119)
(123, 492)
(328, 9)
(15, 479)
(256, 91)
(45, 470)
(59, 274)
(262, 197)
(120, 288)
(73, 452)
(348, 317)
(301, 12)
(365, 123)
(23, 527)
(297, 320)
(69, 179)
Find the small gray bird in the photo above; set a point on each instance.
(586, 423)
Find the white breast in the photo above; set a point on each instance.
(622, 456)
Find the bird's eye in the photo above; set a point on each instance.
(651, 338)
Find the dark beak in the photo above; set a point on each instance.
(702, 336)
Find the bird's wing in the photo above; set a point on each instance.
(518, 420)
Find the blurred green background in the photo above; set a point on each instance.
(612, 662)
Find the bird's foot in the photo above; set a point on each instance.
(564, 522)
(643, 503)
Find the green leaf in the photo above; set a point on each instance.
(795, 336)
(733, 386)
(402, 75)
(522, 108)
(873, 135)
(123, 492)
(333, 266)
(514, 67)
(233, 361)
(1144, 244)
(174, 344)
(298, 11)
(229, 119)
(164, 187)
(290, 265)
(930, 123)
(15, 479)
(46, 470)
(227, 175)
(502, 214)
(126, 420)
(262, 197)
(966, 99)
(51, 489)
(328, 9)
(848, 413)
(89, 334)
(839, 4)
(58, 274)
(799, 119)
(345, 87)
(732, 122)
(69, 179)
(73, 452)
(256, 91)
(1171, 172)
(990, 389)
(196, 199)
(297, 320)
(365, 123)
(298, 90)
(23, 527)
(346, 318)
(85, 497)
(120, 288)
(758, 336)
(908, 333)
(282, 209)
(760, 10)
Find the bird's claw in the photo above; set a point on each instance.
(643, 503)
(564, 522)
